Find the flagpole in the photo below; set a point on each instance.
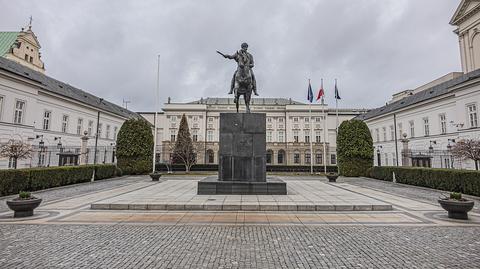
(311, 127)
(324, 135)
(336, 106)
(156, 115)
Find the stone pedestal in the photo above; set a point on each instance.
(242, 153)
(242, 158)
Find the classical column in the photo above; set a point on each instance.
(83, 148)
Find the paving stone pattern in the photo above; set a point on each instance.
(302, 196)
(128, 246)
(430, 195)
(77, 189)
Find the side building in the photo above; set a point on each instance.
(289, 129)
(48, 114)
(419, 127)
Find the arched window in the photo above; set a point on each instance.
(318, 157)
(269, 156)
(307, 157)
(296, 157)
(281, 156)
(210, 156)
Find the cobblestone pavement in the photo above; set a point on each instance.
(66, 234)
(120, 246)
(430, 195)
(77, 189)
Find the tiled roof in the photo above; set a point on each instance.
(6, 41)
(63, 89)
(422, 96)
(254, 101)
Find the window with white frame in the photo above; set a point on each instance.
(318, 137)
(296, 157)
(19, 112)
(47, 115)
(173, 118)
(90, 127)
(280, 119)
(295, 136)
(12, 162)
(392, 133)
(79, 126)
(426, 127)
(281, 136)
(384, 131)
(307, 136)
(386, 159)
(394, 159)
(210, 135)
(173, 134)
(269, 136)
(412, 128)
(377, 135)
(443, 124)
(195, 135)
(295, 119)
(64, 123)
(333, 159)
(400, 129)
(472, 115)
(100, 125)
(307, 119)
(107, 132)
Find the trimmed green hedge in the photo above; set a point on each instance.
(13, 181)
(452, 180)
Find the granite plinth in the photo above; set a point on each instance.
(212, 186)
(242, 152)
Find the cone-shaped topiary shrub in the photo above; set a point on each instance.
(354, 148)
(135, 147)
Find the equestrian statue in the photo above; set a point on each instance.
(243, 81)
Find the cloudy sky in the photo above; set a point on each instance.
(373, 47)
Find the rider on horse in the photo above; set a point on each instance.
(242, 56)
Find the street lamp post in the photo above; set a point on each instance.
(96, 144)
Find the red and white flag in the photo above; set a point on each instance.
(321, 92)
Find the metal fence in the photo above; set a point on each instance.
(433, 159)
(47, 156)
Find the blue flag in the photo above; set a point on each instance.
(310, 93)
(337, 96)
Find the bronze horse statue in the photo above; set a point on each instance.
(243, 84)
(243, 81)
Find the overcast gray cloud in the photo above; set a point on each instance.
(109, 48)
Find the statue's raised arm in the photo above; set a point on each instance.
(226, 55)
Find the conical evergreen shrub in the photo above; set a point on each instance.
(184, 151)
(354, 149)
(135, 147)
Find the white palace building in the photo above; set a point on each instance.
(418, 127)
(48, 114)
(289, 129)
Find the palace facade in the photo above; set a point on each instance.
(50, 115)
(290, 128)
(419, 127)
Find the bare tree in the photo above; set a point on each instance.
(16, 150)
(467, 149)
(184, 151)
